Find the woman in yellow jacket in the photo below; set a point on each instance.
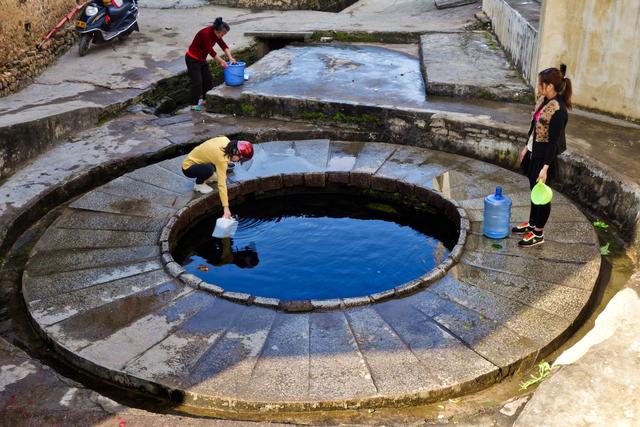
(215, 153)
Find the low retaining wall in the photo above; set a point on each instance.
(518, 37)
(23, 25)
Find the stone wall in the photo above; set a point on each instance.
(323, 5)
(517, 34)
(23, 24)
(599, 40)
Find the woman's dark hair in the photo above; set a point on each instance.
(560, 83)
(220, 25)
(231, 149)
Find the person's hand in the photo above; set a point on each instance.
(232, 59)
(227, 213)
(523, 153)
(542, 176)
(222, 62)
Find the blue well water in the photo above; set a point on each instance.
(318, 246)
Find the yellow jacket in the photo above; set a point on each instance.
(212, 152)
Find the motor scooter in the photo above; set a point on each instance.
(100, 24)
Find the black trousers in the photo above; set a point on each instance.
(200, 172)
(201, 79)
(538, 214)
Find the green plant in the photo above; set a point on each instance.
(496, 246)
(604, 250)
(544, 369)
(247, 108)
(600, 224)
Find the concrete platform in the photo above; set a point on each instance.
(128, 321)
(471, 65)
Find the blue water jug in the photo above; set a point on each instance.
(497, 215)
(234, 74)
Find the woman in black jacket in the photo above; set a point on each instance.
(546, 141)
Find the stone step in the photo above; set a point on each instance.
(564, 301)
(41, 287)
(66, 238)
(57, 261)
(58, 307)
(99, 201)
(130, 188)
(226, 368)
(91, 220)
(577, 275)
(539, 326)
(394, 368)
(145, 332)
(496, 343)
(337, 368)
(446, 357)
(569, 252)
(171, 360)
(163, 178)
(578, 231)
(281, 372)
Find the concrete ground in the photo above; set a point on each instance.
(121, 72)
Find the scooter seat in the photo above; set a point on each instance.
(117, 12)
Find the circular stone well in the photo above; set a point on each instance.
(431, 204)
(102, 288)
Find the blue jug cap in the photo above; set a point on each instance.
(498, 192)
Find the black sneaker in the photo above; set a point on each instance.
(522, 228)
(531, 239)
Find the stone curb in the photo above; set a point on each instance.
(204, 204)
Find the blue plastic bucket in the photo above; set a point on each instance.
(234, 74)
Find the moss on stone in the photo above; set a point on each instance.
(247, 108)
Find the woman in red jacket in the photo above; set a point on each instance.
(196, 59)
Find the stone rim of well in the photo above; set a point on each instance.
(205, 204)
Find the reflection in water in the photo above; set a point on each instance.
(219, 252)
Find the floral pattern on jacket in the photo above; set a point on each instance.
(542, 125)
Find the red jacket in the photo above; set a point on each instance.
(202, 44)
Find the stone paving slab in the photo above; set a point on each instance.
(337, 368)
(217, 349)
(45, 263)
(569, 252)
(131, 188)
(282, 370)
(139, 336)
(225, 370)
(578, 275)
(444, 355)
(113, 203)
(470, 64)
(61, 238)
(39, 287)
(62, 306)
(561, 300)
(557, 232)
(91, 220)
(539, 326)
(493, 341)
(173, 358)
(393, 367)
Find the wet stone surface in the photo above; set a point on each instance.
(96, 284)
